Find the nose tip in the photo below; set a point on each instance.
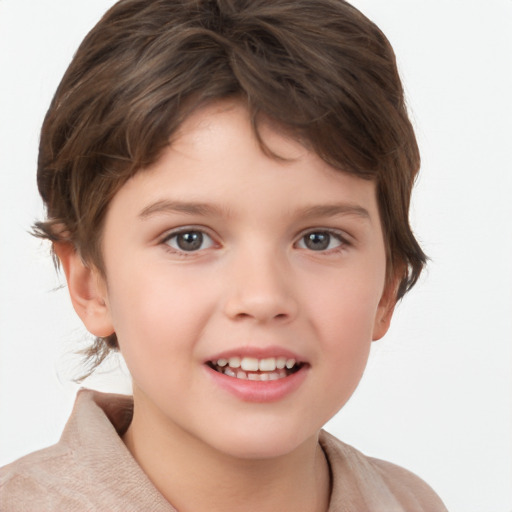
(261, 310)
(262, 294)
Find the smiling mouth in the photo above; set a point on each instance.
(251, 368)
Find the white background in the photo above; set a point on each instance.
(436, 397)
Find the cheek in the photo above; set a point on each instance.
(345, 335)
(345, 304)
(156, 315)
(343, 318)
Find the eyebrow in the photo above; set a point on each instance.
(190, 208)
(332, 210)
(205, 209)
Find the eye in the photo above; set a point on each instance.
(321, 241)
(190, 240)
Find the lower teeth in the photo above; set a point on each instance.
(254, 376)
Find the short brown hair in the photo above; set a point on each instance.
(318, 68)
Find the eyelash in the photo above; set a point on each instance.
(183, 231)
(331, 233)
(337, 235)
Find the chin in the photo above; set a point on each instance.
(262, 441)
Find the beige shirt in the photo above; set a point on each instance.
(90, 469)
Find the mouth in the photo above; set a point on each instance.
(255, 369)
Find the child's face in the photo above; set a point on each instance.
(220, 252)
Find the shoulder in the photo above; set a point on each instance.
(410, 489)
(89, 468)
(30, 483)
(376, 481)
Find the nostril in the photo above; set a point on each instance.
(242, 315)
(263, 306)
(245, 316)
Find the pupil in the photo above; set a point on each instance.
(317, 241)
(190, 241)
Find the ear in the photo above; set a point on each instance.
(385, 310)
(87, 290)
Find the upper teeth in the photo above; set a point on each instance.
(252, 364)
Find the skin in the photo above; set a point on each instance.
(254, 282)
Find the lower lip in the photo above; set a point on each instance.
(259, 391)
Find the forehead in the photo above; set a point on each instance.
(216, 158)
(229, 119)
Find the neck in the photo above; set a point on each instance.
(176, 461)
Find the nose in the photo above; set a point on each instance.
(261, 288)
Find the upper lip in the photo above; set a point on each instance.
(258, 353)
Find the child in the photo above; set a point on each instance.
(227, 186)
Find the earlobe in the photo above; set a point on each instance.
(86, 289)
(385, 311)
